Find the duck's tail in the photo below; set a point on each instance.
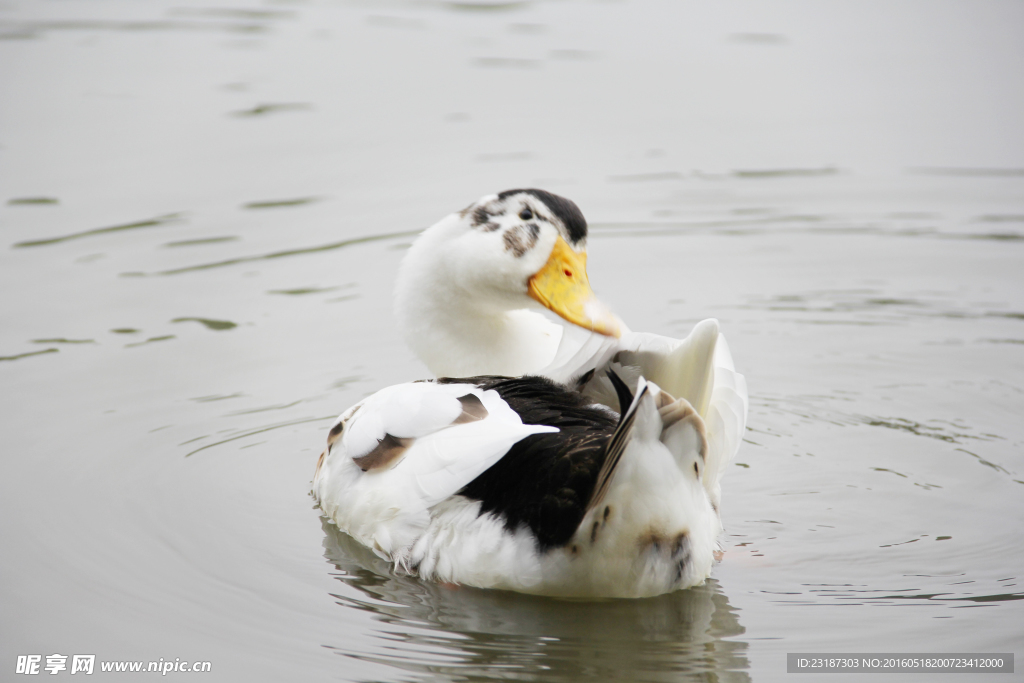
(699, 369)
(655, 417)
(649, 517)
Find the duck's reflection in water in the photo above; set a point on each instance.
(464, 633)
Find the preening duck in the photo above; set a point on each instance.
(470, 481)
(470, 300)
(561, 482)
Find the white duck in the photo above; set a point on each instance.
(527, 484)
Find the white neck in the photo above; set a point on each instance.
(456, 340)
(461, 333)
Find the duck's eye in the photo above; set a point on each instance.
(526, 214)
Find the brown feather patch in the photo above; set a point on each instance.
(677, 410)
(387, 453)
(651, 541)
(482, 217)
(319, 464)
(472, 409)
(335, 433)
(521, 238)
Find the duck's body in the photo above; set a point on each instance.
(549, 492)
(582, 504)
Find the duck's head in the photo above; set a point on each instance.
(510, 251)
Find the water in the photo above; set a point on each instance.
(204, 209)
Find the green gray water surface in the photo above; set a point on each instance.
(202, 211)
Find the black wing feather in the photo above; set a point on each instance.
(545, 482)
(623, 393)
(617, 443)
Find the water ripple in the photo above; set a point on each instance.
(283, 254)
(148, 223)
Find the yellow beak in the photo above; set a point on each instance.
(562, 286)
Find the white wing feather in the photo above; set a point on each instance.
(388, 508)
(726, 420)
(580, 351)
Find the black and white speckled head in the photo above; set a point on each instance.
(519, 214)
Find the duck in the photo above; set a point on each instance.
(556, 452)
